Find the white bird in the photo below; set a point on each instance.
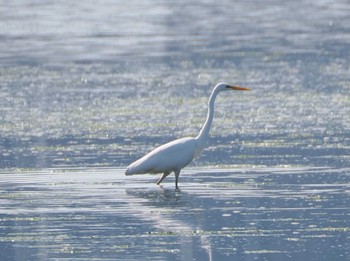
(175, 155)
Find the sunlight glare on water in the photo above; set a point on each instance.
(218, 214)
(88, 87)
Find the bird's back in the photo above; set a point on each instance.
(168, 157)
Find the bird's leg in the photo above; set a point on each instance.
(177, 174)
(165, 174)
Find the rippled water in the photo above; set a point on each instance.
(264, 214)
(86, 88)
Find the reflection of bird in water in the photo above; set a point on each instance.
(175, 155)
(170, 211)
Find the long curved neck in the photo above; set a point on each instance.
(204, 132)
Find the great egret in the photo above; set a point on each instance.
(175, 155)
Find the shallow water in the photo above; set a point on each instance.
(87, 88)
(245, 214)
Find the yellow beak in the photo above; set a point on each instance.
(237, 88)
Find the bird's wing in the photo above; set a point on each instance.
(168, 157)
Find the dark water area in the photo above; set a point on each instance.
(88, 87)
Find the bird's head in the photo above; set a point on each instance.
(226, 87)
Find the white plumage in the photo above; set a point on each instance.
(168, 157)
(177, 154)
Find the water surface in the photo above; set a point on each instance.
(264, 214)
(87, 88)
